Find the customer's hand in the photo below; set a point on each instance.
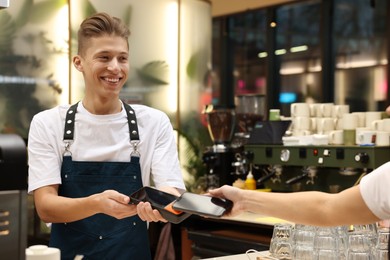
(231, 193)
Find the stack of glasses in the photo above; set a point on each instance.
(302, 242)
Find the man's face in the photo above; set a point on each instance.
(105, 66)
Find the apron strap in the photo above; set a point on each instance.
(69, 122)
(131, 120)
(133, 129)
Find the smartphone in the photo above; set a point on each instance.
(202, 205)
(162, 201)
(155, 197)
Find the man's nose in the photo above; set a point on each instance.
(113, 65)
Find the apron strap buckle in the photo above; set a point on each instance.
(67, 151)
(135, 152)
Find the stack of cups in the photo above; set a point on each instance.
(328, 244)
(361, 242)
(303, 242)
(300, 116)
(281, 246)
(322, 118)
(376, 132)
(381, 248)
(337, 135)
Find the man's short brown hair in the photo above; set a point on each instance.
(100, 24)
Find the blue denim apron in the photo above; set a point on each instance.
(100, 236)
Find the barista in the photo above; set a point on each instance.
(86, 159)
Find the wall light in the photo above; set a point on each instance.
(299, 48)
(262, 55)
(280, 52)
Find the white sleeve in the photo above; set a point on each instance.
(165, 166)
(375, 189)
(44, 160)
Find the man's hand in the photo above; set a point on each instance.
(147, 213)
(115, 204)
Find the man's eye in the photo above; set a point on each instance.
(103, 57)
(123, 59)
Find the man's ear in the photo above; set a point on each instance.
(77, 63)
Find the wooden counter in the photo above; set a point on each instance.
(216, 237)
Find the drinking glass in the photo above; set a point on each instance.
(304, 236)
(303, 252)
(326, 254)
(359, 242)
(382, 238)
(353, 255)
(381, 254)
(281, 245)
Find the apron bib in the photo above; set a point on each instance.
(101, 236)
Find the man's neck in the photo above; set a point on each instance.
(102, 107)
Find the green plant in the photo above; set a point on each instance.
(194, 139)
(21, 74)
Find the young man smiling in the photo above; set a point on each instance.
(86, 159)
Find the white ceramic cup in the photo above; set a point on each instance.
(315, 110)
(377, 125)
(382, 138)
(313, 124)
(326, 109)
(301, 123)
(367, 137)
(300, 109)
(336, 137)
(320, 139)
(340, 110)
(386, 124)
(325, 125)
(350, 121)
(361, 118)
(372, 116)
(358, 131)
(300, 132)
(338, 122)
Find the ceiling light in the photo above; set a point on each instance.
(280, 52)
(262, 55)
(299, 48)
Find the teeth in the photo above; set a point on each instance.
(112, 80)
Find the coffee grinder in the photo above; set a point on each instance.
(229, 129)
(250, 109)
(218, 158)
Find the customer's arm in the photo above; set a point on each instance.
(310, 207)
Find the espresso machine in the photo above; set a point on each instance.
(229, 128)
(329, 168)
(324, 166)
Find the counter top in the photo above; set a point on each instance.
(264, 255)
(255, 218)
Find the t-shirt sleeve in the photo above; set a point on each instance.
(375, 188)
(44, 163)
(165, 164)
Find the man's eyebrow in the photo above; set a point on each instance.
(107, 52)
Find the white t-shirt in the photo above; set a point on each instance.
(103, 138)
(375, 190)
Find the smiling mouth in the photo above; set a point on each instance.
(112, 80)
